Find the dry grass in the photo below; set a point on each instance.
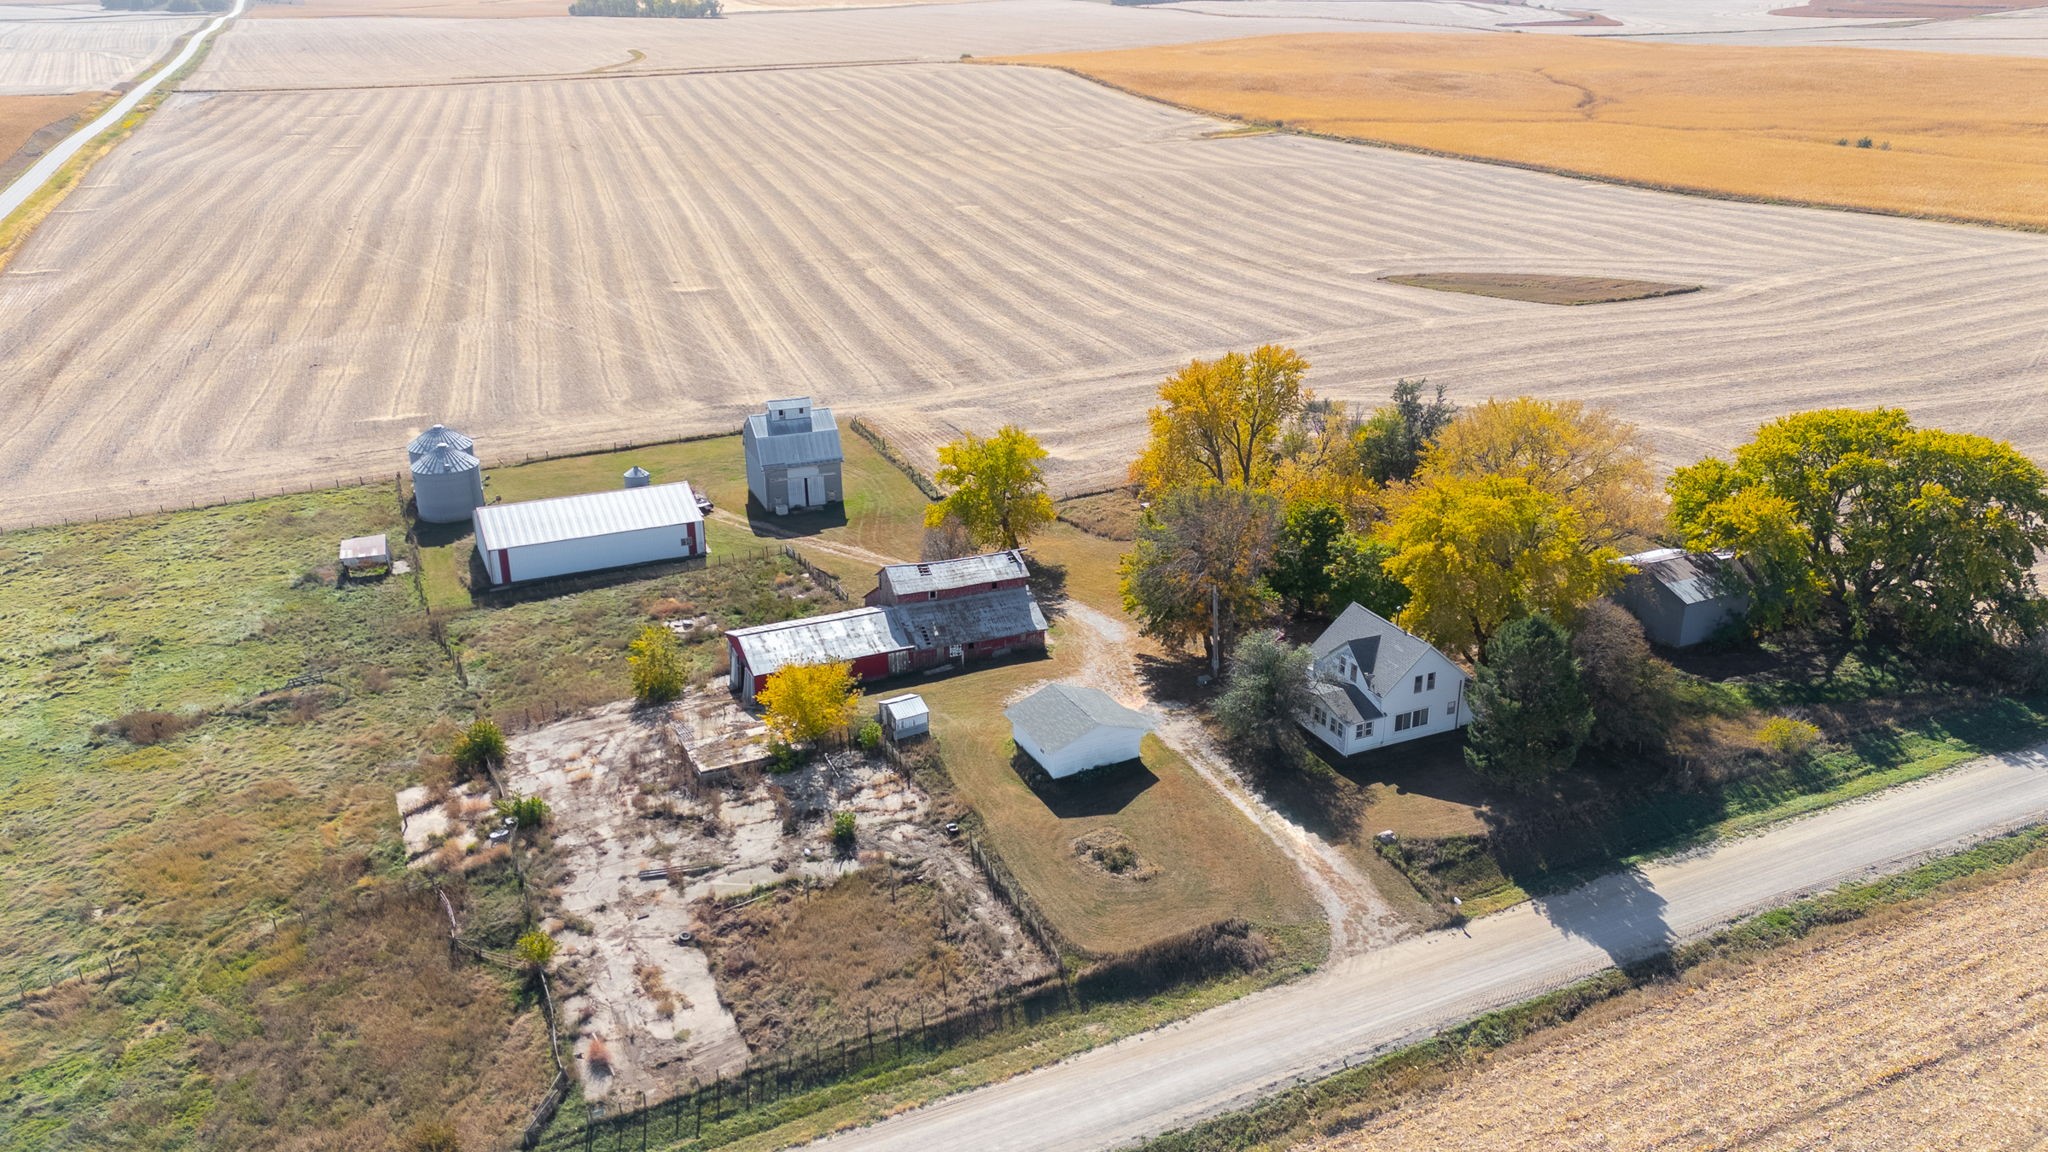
(1112, 515)
(1963, 132)
(1539, 289)
(22, 117)
(1923, 1030)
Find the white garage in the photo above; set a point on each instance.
(1070, 729)
(590, 532)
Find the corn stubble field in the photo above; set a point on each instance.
(1927, 1029)
(45, 51)
(304, 278)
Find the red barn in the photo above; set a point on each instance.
(946, 579)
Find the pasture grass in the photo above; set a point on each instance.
(1952, 136)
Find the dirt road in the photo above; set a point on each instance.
(1231, 1056)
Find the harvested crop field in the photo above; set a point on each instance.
(936, 246)
(1543, 289)
(1924, 1030)
(445, 9)
(43, 53)
(298, 54)
(1919, 135)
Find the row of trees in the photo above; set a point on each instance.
(671, 9)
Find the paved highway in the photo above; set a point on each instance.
(1231, 1056)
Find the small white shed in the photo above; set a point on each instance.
(362, 552)
(904, 717)
(1070, 729)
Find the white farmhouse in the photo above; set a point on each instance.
(794, 458)
(1376, 685)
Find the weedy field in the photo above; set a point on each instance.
(1916, 134)
(1931, 1022)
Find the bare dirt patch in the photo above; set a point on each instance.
(1577, 20)
(1541, 289)
(1109, 850)
(647, 853)
(1926, 1029)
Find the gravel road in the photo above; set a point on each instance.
(1234, 1054)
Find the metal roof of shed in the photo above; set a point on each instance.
(778, 443)
(906, 706)
(586, 515)
(1693, 577)
(941, 575)
(1059, 714)
(829, 639)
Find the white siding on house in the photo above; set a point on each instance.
(1422, 698)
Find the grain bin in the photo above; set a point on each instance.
(638, 477)
(447, 484)
(438, 434)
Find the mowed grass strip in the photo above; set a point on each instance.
(1951, 136)
(1206, 861)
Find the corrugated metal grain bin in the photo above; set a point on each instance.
(447, 484)
(438, 434)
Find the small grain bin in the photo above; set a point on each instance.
(447, 484)
(438, 434)
(637, 477)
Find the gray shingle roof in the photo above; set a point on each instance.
(1383, 650)
(586, 515)
(1693, 577)
(1059, 714)
(1346, 702)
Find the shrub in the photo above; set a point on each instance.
(482, 743)
(843, 830)
(535, 949)
(871, 735)
(432, 1136)
(1864, 142)
(529, 811)
(1268, 688)
(1789, 739)
(806, 701)
(153, 727)
(599, 1055)
(657, 663)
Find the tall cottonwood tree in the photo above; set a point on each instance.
(1197, 568)
(1220, 421)
(1587, 457)
(998, 495)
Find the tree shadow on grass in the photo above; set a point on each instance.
(1103, 791)
(1176, 680)
(1048, 585)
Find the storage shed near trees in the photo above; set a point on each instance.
(794, 458)
(589, 532)
(1069, 729)
(904, 717)
(1682, 598)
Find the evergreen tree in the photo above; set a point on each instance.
(1529, 709)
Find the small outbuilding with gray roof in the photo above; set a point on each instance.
(1682, 597)
(1069, 729)
(1375, 684)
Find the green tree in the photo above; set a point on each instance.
(481, 744)
(1358, 575)
(1391, 441)
(535, 949)
(1529, 711)
(656, 661)
(1267, 689)
(1475, 553)
(1220, 421)
(805, 701)
(997, 488)
(1301, 557)
(1197, 568)
(1935, 533)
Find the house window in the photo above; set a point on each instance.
(1418, 683)
(1416, 719)
(1364, 730)
(1421, 718)
(931, 595)
(1401, 722)
(1432, 681)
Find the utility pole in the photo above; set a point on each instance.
(1215, 631)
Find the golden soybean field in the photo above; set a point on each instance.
(1959, 137)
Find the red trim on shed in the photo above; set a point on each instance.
(504, 565)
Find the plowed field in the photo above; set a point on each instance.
(1922, 134)
(299, 281)
(43, 54)
(1928, 1032)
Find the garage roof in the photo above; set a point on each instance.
(1059, 714)
(587, 515)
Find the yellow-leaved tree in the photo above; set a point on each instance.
(1587, 457)
(997, 488)
(656, 660)
(1478, 552)
(805, 701)
(1220, 421)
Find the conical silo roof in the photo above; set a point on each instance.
(444, 459)
(438, 434)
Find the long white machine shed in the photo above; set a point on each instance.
(590, 532)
